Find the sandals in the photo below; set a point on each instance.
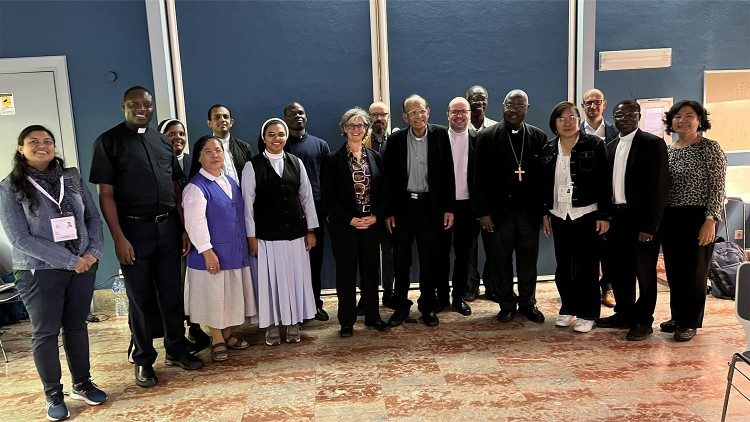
(219, 355)
(239, 344)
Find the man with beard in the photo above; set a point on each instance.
(236, 151)
(312, 151)
(508, 203)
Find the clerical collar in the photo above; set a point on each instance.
(629, 137)
(418, 138)
(135, 128)
(180, 156)
(226, 140)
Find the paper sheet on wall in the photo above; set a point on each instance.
(652, 116)
(7, 105)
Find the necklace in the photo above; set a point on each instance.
(520, 172)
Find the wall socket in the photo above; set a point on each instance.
(739, 234)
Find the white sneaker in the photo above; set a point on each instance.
(583, 325)
(564, 320)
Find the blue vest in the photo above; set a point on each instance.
(226, 225)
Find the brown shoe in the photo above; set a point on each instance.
(608, 298)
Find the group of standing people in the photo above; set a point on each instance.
(249, 227)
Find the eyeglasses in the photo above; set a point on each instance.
(569, 119)
(209, 152)
(458, 112)
(379, 115)
(590, 103)
(629, 115)
(514, 107)
(358, 126)
(415, 113)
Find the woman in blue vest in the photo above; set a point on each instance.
(218, 286)
(280, 218)
(56, 232)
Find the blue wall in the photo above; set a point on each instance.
(258, 56)
(97, 37)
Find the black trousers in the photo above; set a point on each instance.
(519, 234)
(686, 263)
(58, 299)
(316, 253)
(577, 273)
(460, 238)
(630, 259)
(604, 280)
(489, 275)
(416, 223)
(156, 268)
(353, 248)
(386, 261)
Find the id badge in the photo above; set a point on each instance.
(64, 228)
(565, 194)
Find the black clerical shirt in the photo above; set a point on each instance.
(140, 167)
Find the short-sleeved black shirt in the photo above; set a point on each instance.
(140, 166)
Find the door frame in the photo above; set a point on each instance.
(58, 65)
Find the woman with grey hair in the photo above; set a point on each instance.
(353, 190)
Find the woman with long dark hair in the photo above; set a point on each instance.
(54, 226)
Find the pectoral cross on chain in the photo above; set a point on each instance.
(520, 172)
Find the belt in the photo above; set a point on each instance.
(418, 195)
(151, 218)
(365, 209)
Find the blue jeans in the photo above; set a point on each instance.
(58, 299)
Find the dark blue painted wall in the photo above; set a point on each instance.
(97, 37)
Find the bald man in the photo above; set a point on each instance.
(465, 226)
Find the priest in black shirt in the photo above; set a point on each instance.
(509, 205)
(137, 175)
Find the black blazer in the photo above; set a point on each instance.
(610, 131)
(492, 180)
(646, 178)
(440, 175)
(589, 172)
(338, 188)
(472, 161)
(241, 152)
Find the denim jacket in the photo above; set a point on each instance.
(31, 233)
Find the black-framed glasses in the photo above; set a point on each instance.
(590, 103)
(357, 126)
(628, 115)
(515, 107)
(458, 112)
(379, 115)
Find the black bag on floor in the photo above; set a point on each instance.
(722, 272)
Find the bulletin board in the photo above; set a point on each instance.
(726, 96)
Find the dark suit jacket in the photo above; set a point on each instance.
(492, 179)
(440, 177)
(646, 178)
(589, 171)
(241, 152)
(610, 131)
(472, 161)
(338, 187)
(187, 161)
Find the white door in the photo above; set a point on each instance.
(39, 86)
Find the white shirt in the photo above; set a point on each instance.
(486, 123)
(621, 163)
(460, 152)
(228, 162)
(180, 159)
(600, 131)
(194, 207)
(248, 192)
(562, 178)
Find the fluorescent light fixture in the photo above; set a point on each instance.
(635, 59)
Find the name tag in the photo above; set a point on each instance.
(64, 228)
(565, 194)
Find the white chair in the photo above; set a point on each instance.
(742, 304)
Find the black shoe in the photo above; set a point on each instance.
(470, 297)
(639, 332)
(668, 326)
(507, 315)
(612, 321)
(532, 313)
(378, 324)
(399, 316)
(321, 315)
(360, 309)
(491, 296)
(145, 376)
(430, 319)
(198, 339)
(388, 301)
(461, 307)
(346, 331)
(187, 361)
(684, 334)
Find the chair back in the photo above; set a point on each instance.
(742, 298)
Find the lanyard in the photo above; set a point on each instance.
(45, 193)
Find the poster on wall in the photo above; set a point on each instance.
(7, 105)
(726, 96)
(652, 116)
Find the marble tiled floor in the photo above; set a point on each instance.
(468, 368)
